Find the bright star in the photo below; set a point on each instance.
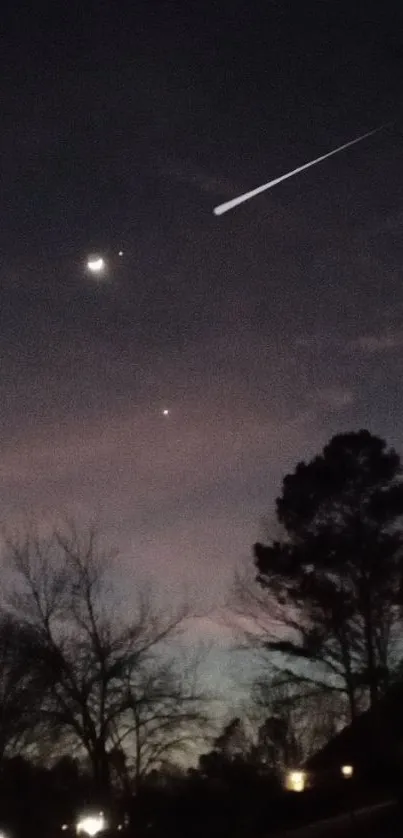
(165, 412)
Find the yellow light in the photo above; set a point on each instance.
(347, 771)
(91, 824)
(296, 781)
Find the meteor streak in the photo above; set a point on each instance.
(228, 205)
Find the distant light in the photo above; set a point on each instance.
(65, 826)
(91, 824)
(96, 265)
(347, 771)
(120, 252)
(166, 411)
(296, 781)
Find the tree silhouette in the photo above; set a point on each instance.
(20, 693)
(232, 741)
(164, 718)
(89, 660)
(293, 721)
(230, 754)
(335, 577)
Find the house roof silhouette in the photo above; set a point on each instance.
(375, 735)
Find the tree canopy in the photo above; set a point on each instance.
(335, 575)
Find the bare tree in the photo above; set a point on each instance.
(87, 651)
(294, 720)
(20, 693)
(165, 717)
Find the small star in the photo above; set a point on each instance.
(165, 411)
(120, 253)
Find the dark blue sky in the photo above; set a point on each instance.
(265, 331)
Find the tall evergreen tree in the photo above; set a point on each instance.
(335, 577)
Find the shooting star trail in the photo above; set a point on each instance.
(235, 202)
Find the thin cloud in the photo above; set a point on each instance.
(335, 398)
(368, 344)
(185, 171)
(376, 344)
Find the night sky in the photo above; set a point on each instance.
(263, 332)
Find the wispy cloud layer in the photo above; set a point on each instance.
(335, 398)
(378, 343)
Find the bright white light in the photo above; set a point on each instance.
(65, 826)
(91, 824)
(96, 265)
(347, 771)
(228, 205)
(165, 411)
(120, 252)
(296, 781)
